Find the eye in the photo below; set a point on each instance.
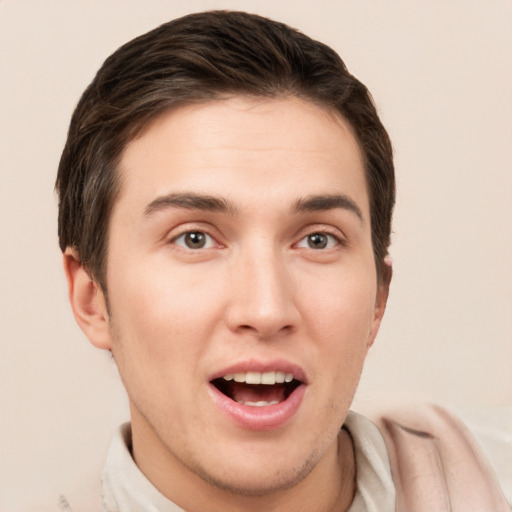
(319, 241)
(194, 240)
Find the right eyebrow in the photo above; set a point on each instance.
(190, 201)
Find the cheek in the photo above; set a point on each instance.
(341, 316)
(342, 307)
(162, 317)
(159, 332)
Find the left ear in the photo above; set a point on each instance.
(381, 299)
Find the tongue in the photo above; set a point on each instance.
(242, 393)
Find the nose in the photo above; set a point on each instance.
(263, 295)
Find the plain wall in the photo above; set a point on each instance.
(441, 75)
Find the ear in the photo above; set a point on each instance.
(381, 299)
(87, 301)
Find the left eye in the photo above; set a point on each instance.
(318, 241)
(195, 240)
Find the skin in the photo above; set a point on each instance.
(257, 291)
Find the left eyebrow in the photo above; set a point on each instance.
(328, 202)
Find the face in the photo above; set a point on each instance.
(242, 288)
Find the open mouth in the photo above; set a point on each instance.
(257, 389)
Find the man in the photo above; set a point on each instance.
(226, 194)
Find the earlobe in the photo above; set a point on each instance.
(381, 299)
(87, 301)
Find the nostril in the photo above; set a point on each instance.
(265, 332)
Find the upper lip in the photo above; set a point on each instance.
(262, 367)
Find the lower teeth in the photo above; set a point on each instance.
(261, 403)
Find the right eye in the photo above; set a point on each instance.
(194, 240)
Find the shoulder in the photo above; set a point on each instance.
(437, 463)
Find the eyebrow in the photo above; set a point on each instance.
(327, 202)
(193, 201)
(190, 201)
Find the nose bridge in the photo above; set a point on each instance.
(264, 302)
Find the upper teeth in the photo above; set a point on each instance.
(260, 378)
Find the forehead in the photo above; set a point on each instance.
(245, 147)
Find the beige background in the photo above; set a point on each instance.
(441, 74)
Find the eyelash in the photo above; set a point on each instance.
(333, 240)
(212, 242)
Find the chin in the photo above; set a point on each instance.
(254, 479)
(258, 485)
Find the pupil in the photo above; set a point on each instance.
(195, 240)
(317, 241)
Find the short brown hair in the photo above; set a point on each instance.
(197, 58)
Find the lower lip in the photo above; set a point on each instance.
(259, 418)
